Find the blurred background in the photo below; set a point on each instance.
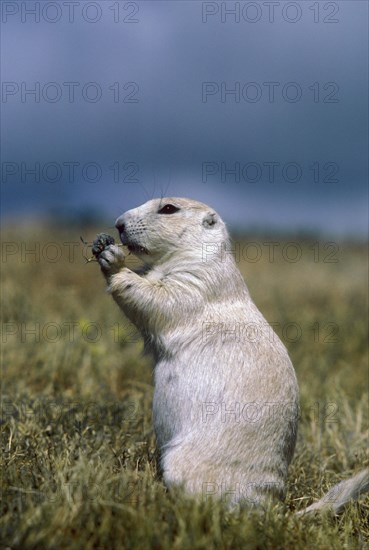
(256, 108)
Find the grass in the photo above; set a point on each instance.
(78, 451)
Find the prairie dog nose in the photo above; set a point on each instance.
(119, 224)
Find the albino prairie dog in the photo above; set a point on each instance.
(226, 396)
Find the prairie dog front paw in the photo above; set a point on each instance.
(108, 254)
(111, 260)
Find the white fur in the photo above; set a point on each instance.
(226, 396)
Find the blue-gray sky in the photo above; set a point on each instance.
(147, 87)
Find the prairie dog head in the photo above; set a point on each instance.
(162, 229)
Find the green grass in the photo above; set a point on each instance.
(78, 451)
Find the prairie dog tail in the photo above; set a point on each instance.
(341, 494)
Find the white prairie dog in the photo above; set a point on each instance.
(226, 395)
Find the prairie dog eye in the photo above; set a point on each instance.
(168, 209)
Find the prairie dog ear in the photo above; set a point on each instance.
(209, 220)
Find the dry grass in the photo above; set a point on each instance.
(79, 463)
